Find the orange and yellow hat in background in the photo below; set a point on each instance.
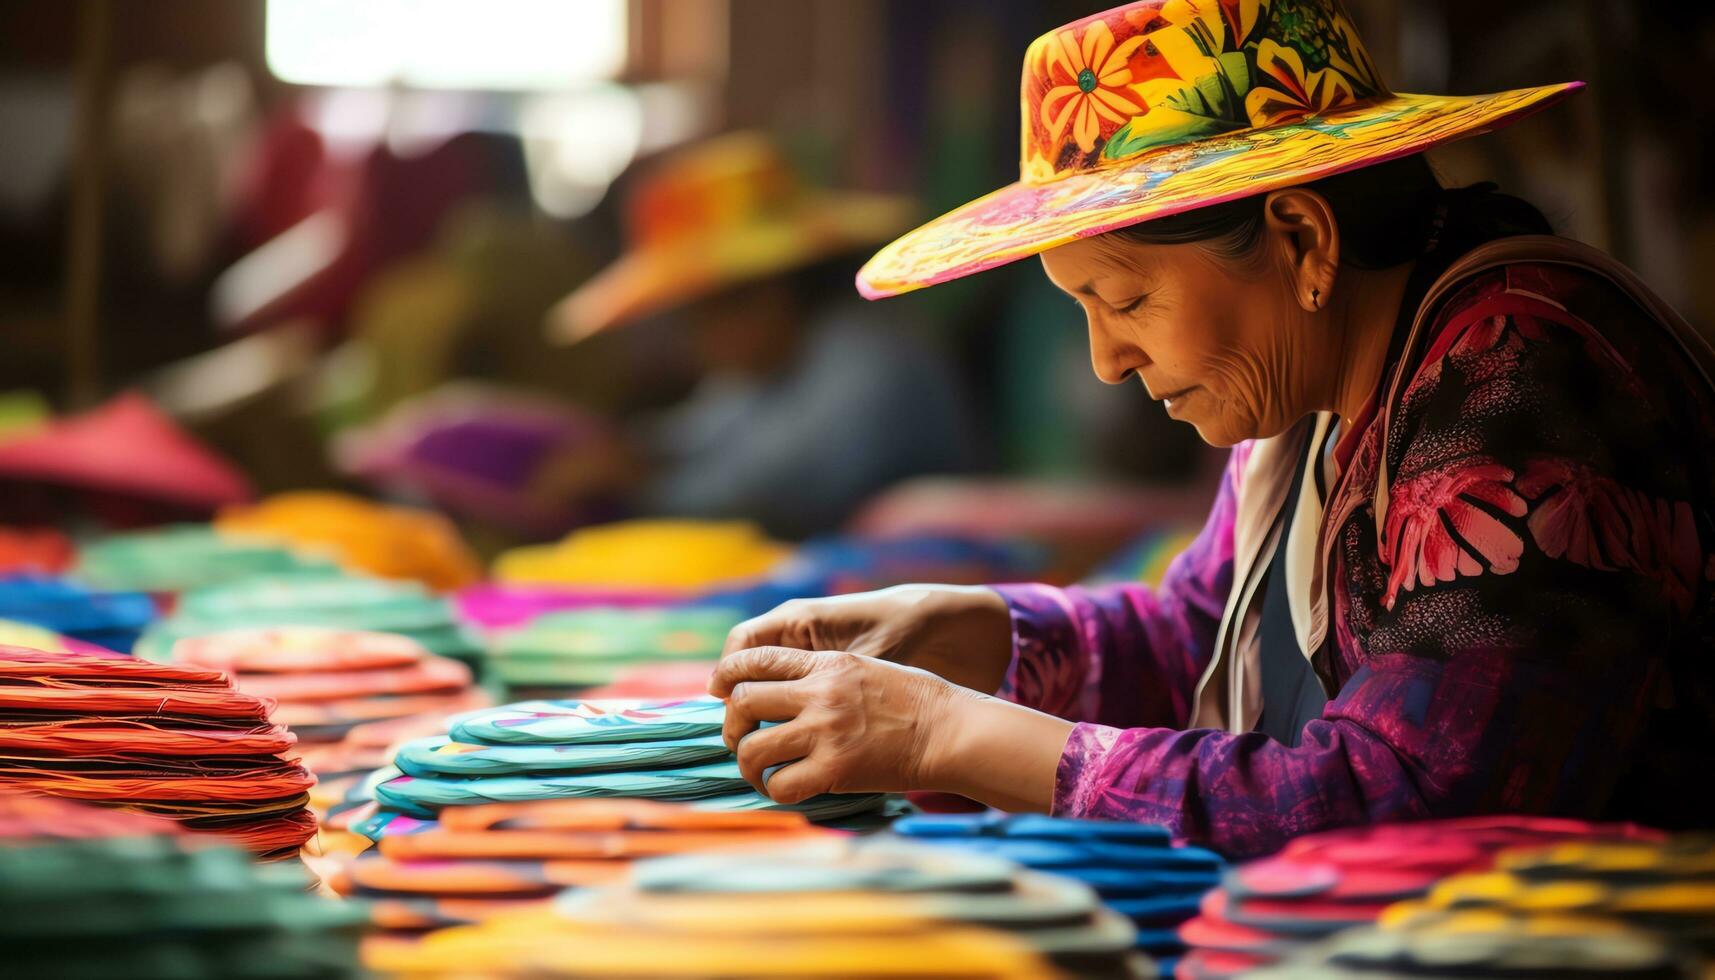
(1163, 106)
(722, 213)
(361, 535)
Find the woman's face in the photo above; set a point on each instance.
(1218, 341)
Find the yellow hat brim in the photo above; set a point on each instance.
(1021, 220)
(652, 279)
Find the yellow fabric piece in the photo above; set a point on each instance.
(875, 941)
(665, 554)
(35, 637)
(364, 536)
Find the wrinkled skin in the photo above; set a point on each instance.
(1241, 348)
(888, 690)
(961, 633)
(857, 724)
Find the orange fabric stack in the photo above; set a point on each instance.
(169, 740)
(348, 695)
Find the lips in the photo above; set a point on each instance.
(1169, 396)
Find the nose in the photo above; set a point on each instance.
(1114, 360)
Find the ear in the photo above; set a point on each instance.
(1300, 226)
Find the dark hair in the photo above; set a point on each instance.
(1388, 214)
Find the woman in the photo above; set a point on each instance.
(726, 234)
(1461, 559)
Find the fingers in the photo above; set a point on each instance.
(753, 702)
(773, 746)
(765, 663)
(789, 624)
(760, 631)
(810, 776)
(812, 624)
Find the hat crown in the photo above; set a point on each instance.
(1101, 90)
(727, 181)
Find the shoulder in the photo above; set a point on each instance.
(1545, 416)
(1494, 322)
(1531, 358)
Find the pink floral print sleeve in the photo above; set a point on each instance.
(1532, 631)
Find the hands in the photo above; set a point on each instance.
(852, 723)
(961, 633)
(857, 724)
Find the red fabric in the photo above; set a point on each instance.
(126, 446)
(34, 549)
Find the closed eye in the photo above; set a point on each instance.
(1131, 307)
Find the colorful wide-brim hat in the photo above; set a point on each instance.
(724, 213)
(1164, 106)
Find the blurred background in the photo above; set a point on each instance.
(333, 242)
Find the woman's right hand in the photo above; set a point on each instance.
(962, 633)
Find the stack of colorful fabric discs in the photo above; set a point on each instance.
(183, 557)
(813, 894)
(1663, 888)
(568, 651)
(598, 934)
(544, 750)
(175, 741)
(327, 682)
(1271, 909)
(111, 620)
(96, 893)
(477, 861)
(1134, 868)
(363, 536)
(368, 604)
(1469, 944)
(843, 907)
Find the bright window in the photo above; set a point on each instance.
(461, 44)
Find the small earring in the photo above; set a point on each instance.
(1316, 298)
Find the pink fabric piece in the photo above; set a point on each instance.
(127, 446)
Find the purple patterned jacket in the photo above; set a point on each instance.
(1532, 631)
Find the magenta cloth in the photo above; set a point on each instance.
(500, 607)
(473, 455)
(127, 446)
(1532, 635)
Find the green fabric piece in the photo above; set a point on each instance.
(337, 602)
(187, 556)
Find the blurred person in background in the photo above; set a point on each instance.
(1462, 560)
(808, 402)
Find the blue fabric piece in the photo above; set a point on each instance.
(440, 756)
(1167, 940)
(1054, 855)
(1125, 883)
(1158, 910)
(590, 722)
(110, 619)
(1031, 826)
(419, 795)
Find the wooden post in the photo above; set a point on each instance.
(93, 77)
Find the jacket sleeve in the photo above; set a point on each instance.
(1126, 654)
(1540, 561)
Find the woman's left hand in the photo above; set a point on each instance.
(855, 724)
